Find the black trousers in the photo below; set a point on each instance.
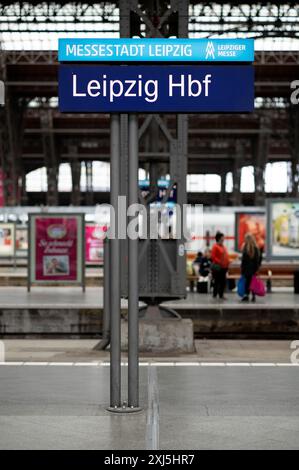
(219, 278)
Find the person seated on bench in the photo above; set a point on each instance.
(204, 280)
(196, 263)
(205, 264)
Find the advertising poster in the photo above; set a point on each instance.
(283, 223)
(250, 222)
(22, 238)
(7, 239)
(94, 243)
(56, 248)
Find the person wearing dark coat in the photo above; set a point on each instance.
(196, 263)
(205, 264)
(250, 264)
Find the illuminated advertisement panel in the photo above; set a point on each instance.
(56, 248)
(283, 229)
(94, 243)
(7, 239)
(250, 222)
(22, 239)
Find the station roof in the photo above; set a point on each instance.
(32, 77)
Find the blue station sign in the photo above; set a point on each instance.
(151, 88)
(155, 50)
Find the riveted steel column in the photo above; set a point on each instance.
(133, 278)
(115, 354)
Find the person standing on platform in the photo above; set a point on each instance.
(251, 261)
(219, 266)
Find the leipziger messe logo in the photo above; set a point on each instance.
(210, 50)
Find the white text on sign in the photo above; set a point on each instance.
(185, 86)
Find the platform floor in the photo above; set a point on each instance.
(206, 350)
(63, 407)
(73, 297)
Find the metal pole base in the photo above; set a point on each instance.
(158, 312)
(124, 409)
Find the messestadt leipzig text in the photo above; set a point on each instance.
(139, 50)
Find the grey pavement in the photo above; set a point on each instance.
(63, 407)
(229, 408)
(82, 350)
(73, 297)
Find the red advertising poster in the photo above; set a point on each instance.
(253, 223)
(94, 243)
(56, 248)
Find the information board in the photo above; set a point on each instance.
(155, 50)
(162, 184)
(150, 89)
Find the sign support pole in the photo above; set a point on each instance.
(105, 341)
(115, 352)
(133, 278)
(107, 287)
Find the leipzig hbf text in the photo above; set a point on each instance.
(183, 85)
